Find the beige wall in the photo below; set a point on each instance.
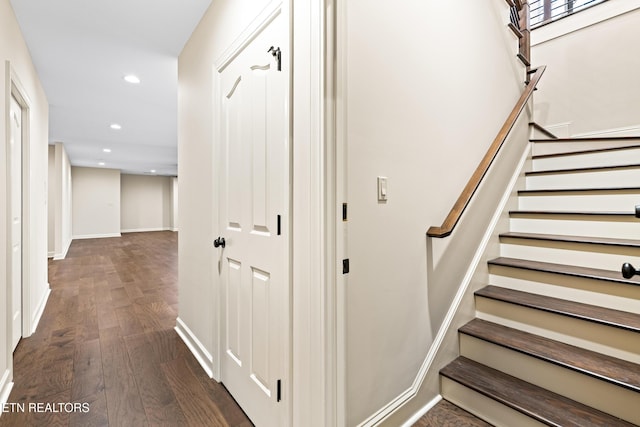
(591, 85)
(424, 100)
(145, 203)
(59, 201)
(174, 204)
(14, 50)
(51, 202)
(96, 202)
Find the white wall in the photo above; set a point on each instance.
(51, 202)
(96, 202)
(591, 85)
(174, 203)
(14, 49)
(424, 100)
(64, 218)
(59, 201)
(145, 203)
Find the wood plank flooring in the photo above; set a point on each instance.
(445, 414)
(106, 340)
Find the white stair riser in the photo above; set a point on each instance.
(590, 202)
(604, 339)
(594, 256)
(601, 179)
(483, 407)
(587, 291)
(607, 158)
(563, 147)
(598, 394)
(585, 226)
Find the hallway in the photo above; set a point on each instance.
(106, 339)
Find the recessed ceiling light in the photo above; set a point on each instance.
(153, 171)
(115, 126)
(131, 78)
(106, 150)
(101, 163)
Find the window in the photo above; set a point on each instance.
(545, 11)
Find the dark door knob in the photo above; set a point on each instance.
(219, 242)
(628, 271)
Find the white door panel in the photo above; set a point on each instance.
(254, 174)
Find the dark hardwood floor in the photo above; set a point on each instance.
(106, 342)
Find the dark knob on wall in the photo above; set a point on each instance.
(219, 242)
(628, 271)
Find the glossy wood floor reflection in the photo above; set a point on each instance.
(106, 339)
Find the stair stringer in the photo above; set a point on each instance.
(445, 347)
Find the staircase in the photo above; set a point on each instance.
(556, 338)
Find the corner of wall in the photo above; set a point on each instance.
(196, 347)
(37, 313)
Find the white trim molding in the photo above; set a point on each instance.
(145, 230)
(40, 309)
(97, 236)
(261, 22)
(315, 300)
(63, 255)
(197, 348)
(5, 387)
(605, 133)
(586, 18)
(426, 408)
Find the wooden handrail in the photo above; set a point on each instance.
(474, 182)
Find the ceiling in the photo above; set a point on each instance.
(82, 51)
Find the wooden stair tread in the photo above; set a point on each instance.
(582, 170)
(563, 269)
(543, 405)
(446, 414)
(573, 239)
(591, 313)
(572, 153)
(565, 191)
(616, 371)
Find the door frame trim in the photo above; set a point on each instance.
(319, 379)
(14, 87)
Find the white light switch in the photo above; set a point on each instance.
(382, 188)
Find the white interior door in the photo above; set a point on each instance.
(15, 147)
(254, 200)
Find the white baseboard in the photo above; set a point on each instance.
(5, 387)
(426, 408)
(96, 236)
(561, 130)
(145, 230)
(40, 309)
(174, 229)
(197, 349)
(63, 255)
(623, 131)
(51, 255)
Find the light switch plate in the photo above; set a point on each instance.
(382, 189)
